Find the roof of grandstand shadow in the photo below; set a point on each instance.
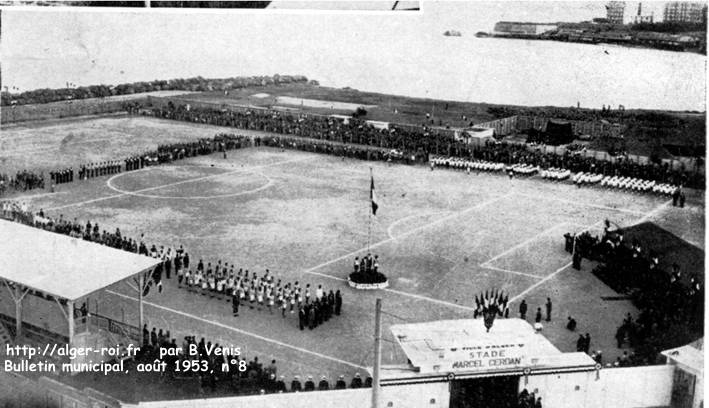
(62, 266)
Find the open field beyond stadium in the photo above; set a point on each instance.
(441, 236)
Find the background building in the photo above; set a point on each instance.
(615, 11)
(640, 18)
(685, 12)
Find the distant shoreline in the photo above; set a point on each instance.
(593, 40)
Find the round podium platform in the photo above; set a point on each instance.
(368, 280)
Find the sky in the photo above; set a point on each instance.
(49, 47)
(40, 48)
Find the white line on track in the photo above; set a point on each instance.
(234, 329)
(563, 200)
(523, 243)
(240, 170)
(494, 268)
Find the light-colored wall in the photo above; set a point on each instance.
(631, 387)
(407, 396)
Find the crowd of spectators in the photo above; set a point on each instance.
(22, 181)
(351, 131)
(199, 361)
(667, 300)
(420, 141)
(528, 400)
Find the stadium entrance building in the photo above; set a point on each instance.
(481, 368)
(48, 275)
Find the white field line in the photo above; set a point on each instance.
(312, 270)
(494, 268)
(403, 234)
(585, 204)
(407, 294)
(108, 182)
(390, 229)
(31, 196)
(654, 211)
(234, 329)
(523, 243)
(536, 284)
(57, 147)
(269, 183)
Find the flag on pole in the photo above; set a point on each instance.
(373, 198)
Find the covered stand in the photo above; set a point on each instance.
(64, 269)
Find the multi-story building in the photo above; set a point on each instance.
(615, 11)
(640, 18)
(685, 12)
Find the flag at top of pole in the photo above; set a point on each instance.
(373, 196)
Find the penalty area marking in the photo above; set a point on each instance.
(523, 243)
(585, 204)
(247, 169)
(311, 271)
(530, 275)
(234, 329)
(644, 218)
(408, 217)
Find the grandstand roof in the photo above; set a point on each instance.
(62, 266)
(464, 346)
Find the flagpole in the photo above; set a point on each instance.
(369, 224)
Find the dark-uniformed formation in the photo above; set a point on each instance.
(92, 170)
(222, 142)
(62, 176)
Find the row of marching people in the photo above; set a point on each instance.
(624, 183)
(522, 169)
(463, 164)
(582, 178)
(92, 170)
(554, 173)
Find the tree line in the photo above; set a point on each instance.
(197, 84)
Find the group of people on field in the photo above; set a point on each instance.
(581, 178)
(22, 181)
(262, 293)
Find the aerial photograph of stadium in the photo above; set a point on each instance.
(483, 204)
